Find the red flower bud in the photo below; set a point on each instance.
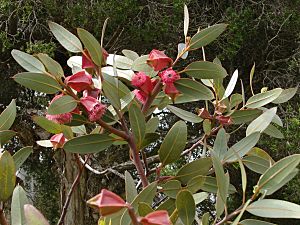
(204, 114)
(159, 217)
(142, 82)
(141, 96)
(169, 76)
(158, 60)
(93, 107)
(107, 202)
(93, 93)
(58, 140)
(224, 120)
(80, 81)
(59, 118)
(87, 61)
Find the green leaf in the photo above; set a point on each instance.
(262, 122)
(274, 208)
(21, 155)
(237, 219)
(19, 199)
(206, 126)
(195, 184)
(278, 173)
(251, 77)
(264, 98)
(200, 197)
(149, 138)
(185, 115)
(189, 87)
(28, 62)
(220, 176)
(186, 21)
(186, 207)
(152, 125)
(272, 131)
(220, 145)
(171, 188)
(168, 205)
(119, 61)
(205, 219)
(91, 44)
(140, 65)
(53, 67)
(38, 82)
(258, 160)
(235, 100)
(206, 36)
(144, 209)
(7, 117)
(130, 188)
(45, 143)
(48, 125)
(130, 54)
(255, 222)
(285, 95)
(242, 147)
(87, 144)
(7, 176)
(62, 105)
(205, 70)
(5, 136)
(68, 40)
(146, 196)
(138, 124)
(193, 169)
(210, 185)
(244, 116)
(79, 130)
(34, 216)
(173, 143)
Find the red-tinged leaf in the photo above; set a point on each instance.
(107, 202)
(159, 217)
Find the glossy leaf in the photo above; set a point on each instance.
(53, 67)
(68, 40)
(138, 124)
(126, 74)
(231, 85)
(255, 222)
(149, 138)
(130, 188)
(38, 82)
(262, 99)
(274, 208)
(277, 173)
(62, 105)
(19, 199)
(87, 144)
(7, 117)
(206, 36)
(186, 207)
(251, 77)
(5, 136)
(168, 205)
(180, 48)
(173, 144)
(7, 176)
(220, 146)
(193, 169)
(195, 184)
(48, 125)
(242, 147)
(45, 143)
(34, 216)
(205, 219)
(79, 129)
(244, 116)
(285, 95)
(171, 188)
(261, 122)
(130, 54)
(21, 155)
(144, 209)
(185, 115)
(205, 70)
(28, 62)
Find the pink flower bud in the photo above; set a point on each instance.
(58, 140)
(169, 76)
(107, 202)
(59, 118)
(93, 93)
(141, 96)
(93, 107)
(204, 114)
(142, 82)
(158, 60)
(224, 120)
(80, 81)
(171, 89)
(159, 217)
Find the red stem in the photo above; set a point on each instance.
(151, 98)
(132, 215)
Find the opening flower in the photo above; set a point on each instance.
(141, 96)
(80, 81)
(94, 108)
(169, 76)
(93, 93)
(142, 82)
(58, 140)
(158, 60)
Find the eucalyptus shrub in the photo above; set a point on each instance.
(111, 99)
